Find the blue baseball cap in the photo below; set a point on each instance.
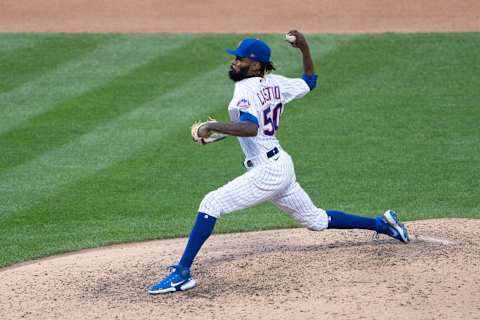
(254, 49)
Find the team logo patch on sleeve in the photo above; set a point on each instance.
(243, 103)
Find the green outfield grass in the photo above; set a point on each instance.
(95, 145)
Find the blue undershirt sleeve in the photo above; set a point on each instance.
(245, 116)
(310, 80)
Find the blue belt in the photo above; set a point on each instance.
(270, 154)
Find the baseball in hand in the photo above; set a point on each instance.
(290, 38)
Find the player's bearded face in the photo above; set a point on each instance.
(239, 69)
(238, 73)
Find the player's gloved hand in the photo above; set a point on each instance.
(201, 134)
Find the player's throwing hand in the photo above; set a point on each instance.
(299, 41)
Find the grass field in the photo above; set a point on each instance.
(95, 145)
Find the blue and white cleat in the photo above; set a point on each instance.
(389, 224)
(179, 279)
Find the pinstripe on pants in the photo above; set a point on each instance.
(269, 180)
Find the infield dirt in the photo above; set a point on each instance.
(271, 16)
(284, 274)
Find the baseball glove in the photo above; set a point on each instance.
(212, 136)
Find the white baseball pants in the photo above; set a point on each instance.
(270, 179)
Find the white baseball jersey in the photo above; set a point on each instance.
(270, 176)
(265, 99)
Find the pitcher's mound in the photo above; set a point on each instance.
(281, 274)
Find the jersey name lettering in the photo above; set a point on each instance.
(268, 94)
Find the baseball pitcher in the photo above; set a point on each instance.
(259, 100)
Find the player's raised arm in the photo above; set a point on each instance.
(297, 40)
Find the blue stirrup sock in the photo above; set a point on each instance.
(204, 225)
(202, 229)
(342, 220)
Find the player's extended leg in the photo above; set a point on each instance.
(179, 278)
(255, 186)
(298, 204)
(387, 223)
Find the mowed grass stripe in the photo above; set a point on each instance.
(114, 56)
(13, 41)
(24, 64)
(115, 140)
(76, 116)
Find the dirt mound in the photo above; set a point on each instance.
(281, 274)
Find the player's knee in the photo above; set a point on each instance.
(317, 220)
(210, 205)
